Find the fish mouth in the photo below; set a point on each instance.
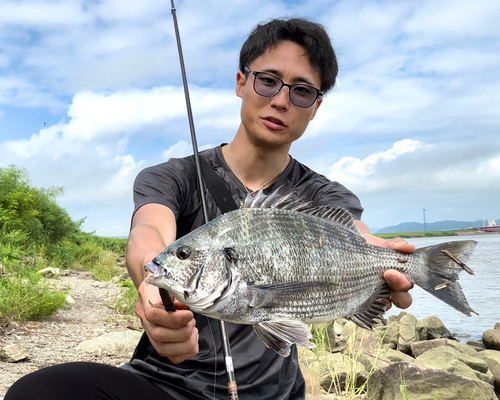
(189, 295)
(158, 274)
(152, 267)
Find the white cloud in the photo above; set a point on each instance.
(413, 121)
(410, 165)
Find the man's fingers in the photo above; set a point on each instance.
(159, 316)
(401, 299)
(400, 244)
(397, 281)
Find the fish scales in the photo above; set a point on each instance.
(287, 264)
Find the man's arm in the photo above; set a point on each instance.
(173, 334)
(395, 279)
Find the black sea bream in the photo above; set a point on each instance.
(279, 264)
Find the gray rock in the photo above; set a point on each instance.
(111, 343)
(372, 362)
(492, 359)
(336, 372)
(476, 345)
(407, 333)
(497, 325)
(13, 353)
(396, 356)
(432, 328)
(421, 383)
(452, 360)
(312, 379)
(11, 327)
(418, 348)
(491, 339)
(50, 272)
(390, 333)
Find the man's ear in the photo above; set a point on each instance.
(316, 106)
(240, 83)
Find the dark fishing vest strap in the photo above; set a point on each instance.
(216, 186)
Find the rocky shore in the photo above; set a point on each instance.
(404, 359)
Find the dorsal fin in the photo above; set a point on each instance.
(337, 215)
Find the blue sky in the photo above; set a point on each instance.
(91, 93)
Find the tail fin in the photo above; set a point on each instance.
(443, 263)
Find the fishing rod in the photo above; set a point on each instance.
(231, 379)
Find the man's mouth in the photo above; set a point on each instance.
(274, 121)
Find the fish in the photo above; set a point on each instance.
(281, 264)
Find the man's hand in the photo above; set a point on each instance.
(173, 334)
(395, 279)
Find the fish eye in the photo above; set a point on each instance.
(183, 252)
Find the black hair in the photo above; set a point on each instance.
(310, 35)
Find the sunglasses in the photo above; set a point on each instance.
(268, 85)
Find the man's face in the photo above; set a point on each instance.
(276, 121)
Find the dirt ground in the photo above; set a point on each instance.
(53, 340)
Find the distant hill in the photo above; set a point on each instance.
(432, 226)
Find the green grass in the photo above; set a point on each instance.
(35, 232)
(125, 303)
(25, 295)
(29, 297)
(453, 232)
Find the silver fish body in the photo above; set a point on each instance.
(278, 265)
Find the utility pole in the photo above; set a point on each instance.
(425, 228)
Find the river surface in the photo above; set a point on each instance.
(482, 290)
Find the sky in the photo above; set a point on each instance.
(91, 93)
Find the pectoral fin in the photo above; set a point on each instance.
(280, 335)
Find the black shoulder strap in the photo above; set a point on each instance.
(216, 186)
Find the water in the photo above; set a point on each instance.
(482, 290)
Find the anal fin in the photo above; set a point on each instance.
(372, 308)
(280, 335)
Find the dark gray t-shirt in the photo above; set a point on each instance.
(260, 372)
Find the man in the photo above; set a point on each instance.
(283, 74)
(285, 68)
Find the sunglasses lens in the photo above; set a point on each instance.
(268, 85)
(302, 95)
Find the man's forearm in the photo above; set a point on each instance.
(139, 254)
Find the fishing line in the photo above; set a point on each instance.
(231, 379)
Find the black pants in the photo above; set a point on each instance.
(85, 381)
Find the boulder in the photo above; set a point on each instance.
(13, 353)
(476, 345)
(50, 272)
(395, 356)
(313, 382)
(390, 332)
(407, 333)
(491, 339)
(492, 359)
(339, 372)
(418, 348)
(111, 343)
(452, 360)
(420, 383)
(432, 328)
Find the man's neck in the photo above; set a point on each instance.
(255, 166)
